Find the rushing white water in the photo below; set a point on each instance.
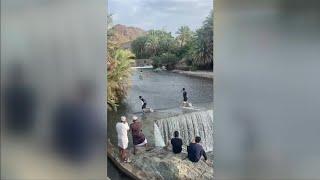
(189, 125)
(158, 138)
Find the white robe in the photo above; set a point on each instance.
(122, 131)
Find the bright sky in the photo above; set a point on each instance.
(160, 14)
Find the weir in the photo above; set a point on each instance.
(189, 125)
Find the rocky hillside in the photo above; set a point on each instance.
(124, 34)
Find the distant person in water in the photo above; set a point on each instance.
(140, 75)
(122, 128)
(195, 151)
(138, 137)
(176, 143)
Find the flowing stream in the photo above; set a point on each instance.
(189, 126)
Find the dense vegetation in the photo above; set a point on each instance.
(118, 66)
(195, 49)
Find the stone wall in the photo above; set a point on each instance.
(143, 62)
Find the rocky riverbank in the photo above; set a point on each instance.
(203, 74)
(160, 163)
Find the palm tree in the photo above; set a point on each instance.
(184, 35)
(152, 44)
(118, 77)
(203, 52)
(118, 69)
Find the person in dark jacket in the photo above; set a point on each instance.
(184, 94)
(176, 143)
(138, 138)
(195, 151)
(144, 103)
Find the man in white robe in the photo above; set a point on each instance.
(122, 128)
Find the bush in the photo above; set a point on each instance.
(118, 75)
(166, 59)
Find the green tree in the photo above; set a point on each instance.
(166, 59)
(203, 50)
(118, 69)
(138, 47)
(185, 42)
(153, 44)
(184, 35)
(118, 77)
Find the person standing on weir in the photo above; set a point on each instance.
(185, 98)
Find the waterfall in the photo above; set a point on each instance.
(158, 138)
(189, 125)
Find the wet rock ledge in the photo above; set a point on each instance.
(159, 163)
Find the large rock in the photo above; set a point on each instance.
(163, 164)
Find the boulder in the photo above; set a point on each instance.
(167, 165)
(160, 163)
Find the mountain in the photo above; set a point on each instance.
(125, 34)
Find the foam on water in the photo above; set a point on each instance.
(189, 125)
(159, 142)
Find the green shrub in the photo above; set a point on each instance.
(166, 59)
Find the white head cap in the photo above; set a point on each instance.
(134, 118)
(123, 118)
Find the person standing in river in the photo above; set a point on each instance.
(144, 103)
(138, 137)
(141, 75)
(195, 151)
(122, 128)
(185, 98)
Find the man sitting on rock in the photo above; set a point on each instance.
(195, 150)
(138, 137)
(176, 143)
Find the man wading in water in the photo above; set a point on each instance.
(141, 75)
(185, 98)
(144, 104)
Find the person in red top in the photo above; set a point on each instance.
(138, 137)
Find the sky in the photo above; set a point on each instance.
(160, 14)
